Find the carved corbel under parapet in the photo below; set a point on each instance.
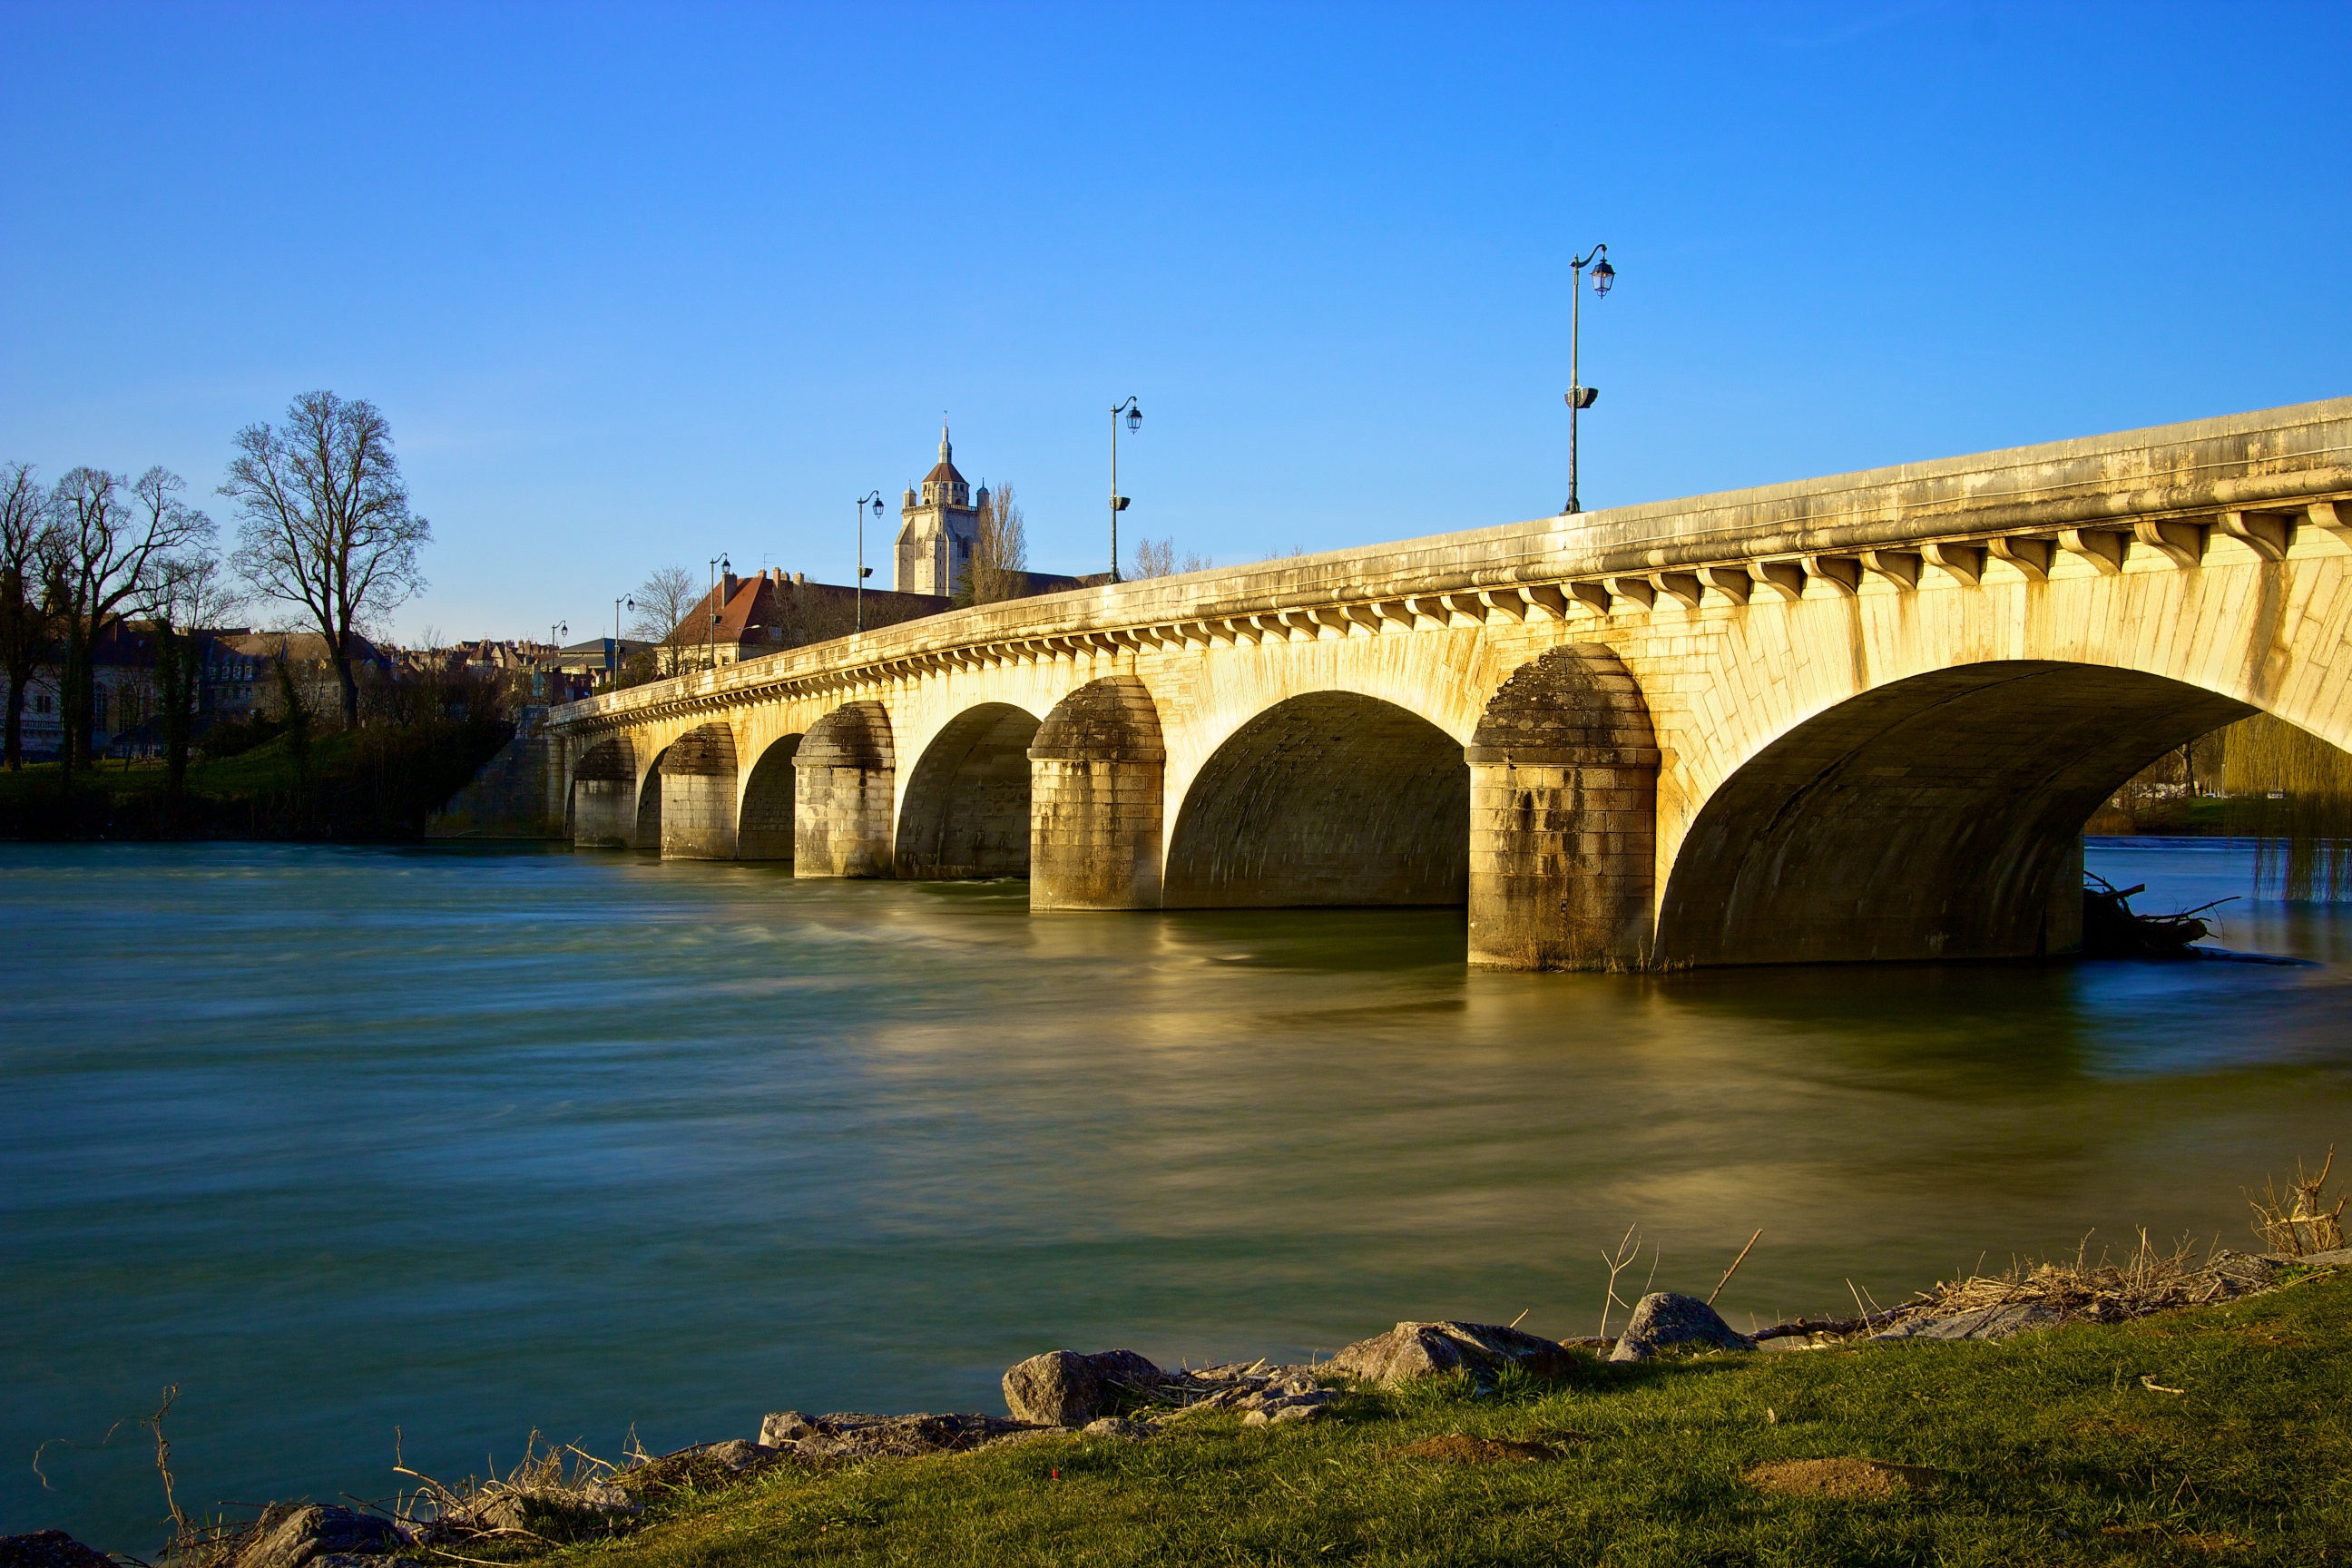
(2177, 540)
(2102, 547)
(1637, 589)
(1964, 564)
(1593, 597)
(1506, 603)
(1786, 578)
(1547, 598)
(2030, 557)
(1900, 567)
(2329, 516)
(2269, 534)
(1471, 606)
(1732, 582)
(1842, 573)
(1682, 587)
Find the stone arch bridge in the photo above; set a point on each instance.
(1862, 716)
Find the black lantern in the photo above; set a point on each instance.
(1134, 419)
(1603, 275)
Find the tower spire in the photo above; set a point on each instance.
(947, 449)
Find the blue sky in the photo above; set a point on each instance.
(636, 284)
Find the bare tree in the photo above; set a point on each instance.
(26, 624)
(327, 526)
(1000, 550)
(185, 593)
(104, 544)
(664, 602)
(1158, 558)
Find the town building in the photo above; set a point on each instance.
(940, 525)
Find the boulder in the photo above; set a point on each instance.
(318, 1536)
(1063, 1388)
(1982, 1323)
(1121, 1427)
(1417, 1349)
(854, 1435)
(1661, 1318)
(49, 1549)
(785, 1427)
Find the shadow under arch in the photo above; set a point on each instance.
(966, 813)
(763, 829)
(1328, 798)
(648, 836)
(1935, 817)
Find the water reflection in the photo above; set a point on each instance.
(340, 1140)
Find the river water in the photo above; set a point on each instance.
(346, 1142)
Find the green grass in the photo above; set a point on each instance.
(2050, 1449)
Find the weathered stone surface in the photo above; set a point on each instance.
(1983, 1323)
(856, 1435)
(1812, 657)
(49, 1549)
(1119, 1427)
(544, 1510)
(1417, 1349)
(785, 1426)
(1661, 1318)
(316, 1533)
(1063, 1388)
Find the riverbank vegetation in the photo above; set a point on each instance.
(266, 779)
(2217, 1434)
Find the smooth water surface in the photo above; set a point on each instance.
(342, 1141)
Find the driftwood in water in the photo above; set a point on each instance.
(2110, 928)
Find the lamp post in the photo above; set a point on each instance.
(1117, 501)
(719, 564)
(1580, 396)
(864, 572)
(614, 663)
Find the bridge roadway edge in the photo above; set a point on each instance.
(2210, 555)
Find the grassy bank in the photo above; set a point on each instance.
(364, 783)
(2048, 1448)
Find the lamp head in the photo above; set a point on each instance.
(1134, 418)
(878, 503)
(1603, 275)
(726, 565)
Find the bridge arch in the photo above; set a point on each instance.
(1936, 817)
(763, 818)
(604, 795)
(1563, 826)
(845, 770)
(698, 795)
(1330, 797)
(647, 834)
(1098, 775)
(966, 810)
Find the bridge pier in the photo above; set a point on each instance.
(1098, 767)
(698, 796)
(843, 774)
(1564, 817)
(604, 795)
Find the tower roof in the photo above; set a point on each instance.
(945, 468)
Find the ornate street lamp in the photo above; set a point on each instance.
(719, 564)
(615, 661)
(1580, 396)
(863, 571)
(1117, 501)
